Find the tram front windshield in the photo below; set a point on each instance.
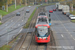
(42, 31)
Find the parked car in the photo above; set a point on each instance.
(67, 14)
(50, 11)
(18, 14)
(54, 9)
(27, 11)
(29, 6)
(72, 17)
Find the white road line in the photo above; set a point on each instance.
(21, 30)
(6, 25)
(62, 35)
(11, 20)
(65, 27)
(22, 20)
(18, 24)
(73, 38)
(63, 47)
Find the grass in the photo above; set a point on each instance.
(73, 21)
(10, 9)
(0, 23)
(5, 47)
(28, 21)
(14, 39)
(72, 12)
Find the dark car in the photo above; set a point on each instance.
(18, 14)
(27, 11)
(54, 9)
(67, 14)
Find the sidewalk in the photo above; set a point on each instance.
(10, 15)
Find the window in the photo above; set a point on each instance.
(42, 31)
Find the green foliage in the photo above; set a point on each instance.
(3, 12)
(0, 23)
(0, 18)
(74, 5)
(5, 47)
(10, 9)
(72, 12)
(28, 21)
(73, 21)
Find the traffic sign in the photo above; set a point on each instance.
(3, 7)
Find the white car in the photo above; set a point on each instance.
(72, 16)
(29, 6)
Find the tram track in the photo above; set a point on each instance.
(33, 45)
(26, 37)
(27, 41)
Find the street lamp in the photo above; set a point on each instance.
(15, 4)
(72, 7)
(8, 36)
(7, 6)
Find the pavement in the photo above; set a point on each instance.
(13, 26)
(63, 30)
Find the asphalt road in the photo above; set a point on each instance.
(10, 15)
(63, 30)
(13, 26)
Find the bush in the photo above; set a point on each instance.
(0, 19)
(74, 6)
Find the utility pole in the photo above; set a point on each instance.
(7, 6)
(35, 2)
(15, 4)
(8, 36)
(26, 2)
(72, 7)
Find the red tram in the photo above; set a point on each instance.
(42, 33)
(42, 30)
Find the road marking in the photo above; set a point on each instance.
(71, 35)
(62, 35)
(21, 30)
(22, 20)
(6, 25)
(18, 24)
(64, 27)
(73, 38)
(62, 47)
(11, 20)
